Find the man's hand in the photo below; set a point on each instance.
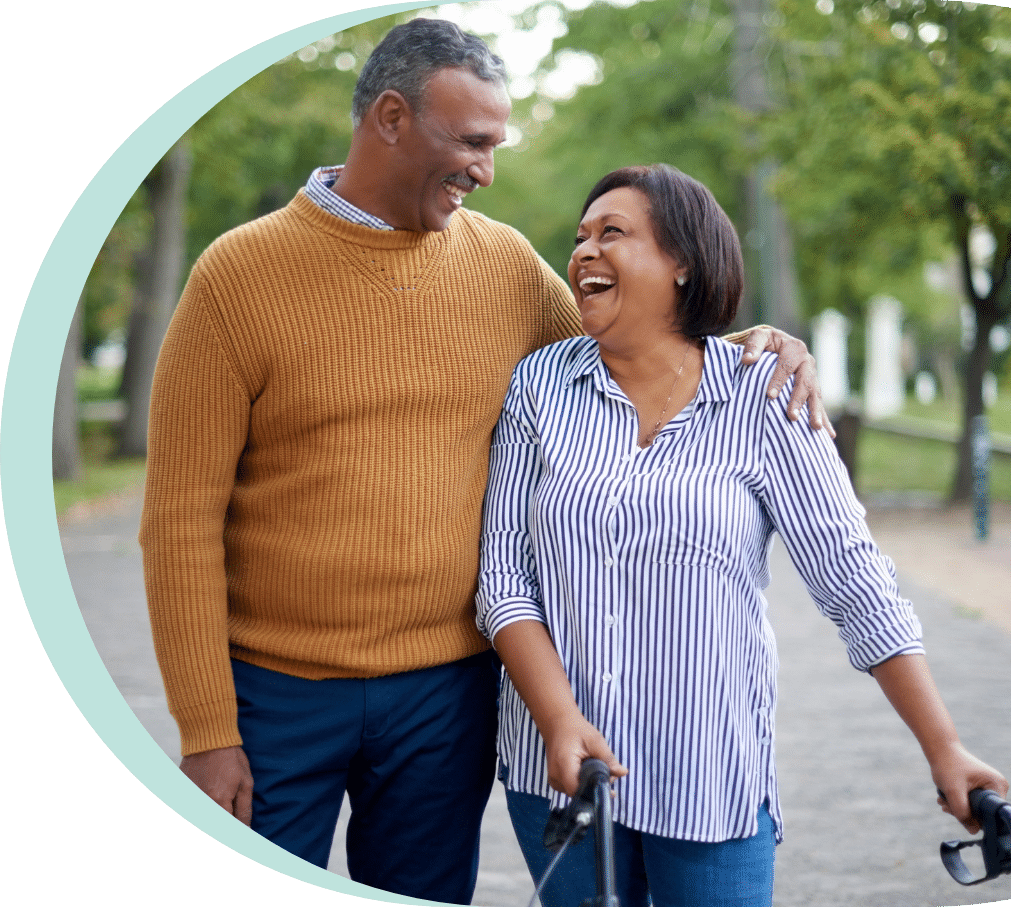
(794, 358)
(224, 776)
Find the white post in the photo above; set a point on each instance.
(883, 386)
(829, 345)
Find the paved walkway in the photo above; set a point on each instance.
(862, 827)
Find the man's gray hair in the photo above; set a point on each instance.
(411, 53)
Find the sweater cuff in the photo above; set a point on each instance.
(739, 337)
(208, 726)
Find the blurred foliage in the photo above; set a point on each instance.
(883, 112)
(851, 180)
(108, 292)
(663, 95)
(891, 110)
(95, 383)
(251, 153)
(254, 149)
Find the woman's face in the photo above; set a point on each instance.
(622, 280)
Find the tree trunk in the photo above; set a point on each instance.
(990, 310)
(771, 294)
(159, 272)
(66, 439)
(972, 405)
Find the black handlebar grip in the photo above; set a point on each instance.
(977, 800)
(593, 770)
(983, 801)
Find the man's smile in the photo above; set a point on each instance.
(459, 186)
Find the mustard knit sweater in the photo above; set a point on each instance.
(320, 422)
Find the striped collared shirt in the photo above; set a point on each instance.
(319, 189)
(648, 565)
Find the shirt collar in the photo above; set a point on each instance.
(721, 362)
(319, 190)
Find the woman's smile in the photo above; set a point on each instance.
(621, 278)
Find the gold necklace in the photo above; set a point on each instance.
(663, 412)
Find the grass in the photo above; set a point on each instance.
(892, 463)
(101, 473)
(886, 463)
(94, 383)
(943, 413)
(99, 480)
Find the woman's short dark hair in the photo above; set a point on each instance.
(412, 53)
(691, 227)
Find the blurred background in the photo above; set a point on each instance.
(862, 149)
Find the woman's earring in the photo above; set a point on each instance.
(681, 280)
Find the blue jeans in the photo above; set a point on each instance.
(415, 753)
(650, 869)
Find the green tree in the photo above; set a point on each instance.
(670, 74)
(66, 443)
(108, 291)
(158, 275)
(663, 93)
(255, 148)
(247, 156)
(896, 125)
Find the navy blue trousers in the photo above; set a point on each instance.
(414, 752)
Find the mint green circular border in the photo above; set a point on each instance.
(26, 449)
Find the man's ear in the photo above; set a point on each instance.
(390, 113)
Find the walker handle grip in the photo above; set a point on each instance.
(592, 771)
(994, 815)
(563, 823)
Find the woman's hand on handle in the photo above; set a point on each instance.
(530, 659)
(907, 683)
(956, 772)
(569, 740)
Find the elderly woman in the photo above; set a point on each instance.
(637, 477)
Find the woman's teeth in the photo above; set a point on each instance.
(591, 285)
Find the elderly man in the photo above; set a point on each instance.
(320, 426)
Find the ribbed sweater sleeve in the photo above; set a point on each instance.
(320, 425)
(565, 319)
(199, 407)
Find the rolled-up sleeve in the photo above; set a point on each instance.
(508, 589)
(810, 500)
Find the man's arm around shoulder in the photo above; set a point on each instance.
(793, 359)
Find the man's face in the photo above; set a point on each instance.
(449, 147)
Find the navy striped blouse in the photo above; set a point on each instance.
(648, 565)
